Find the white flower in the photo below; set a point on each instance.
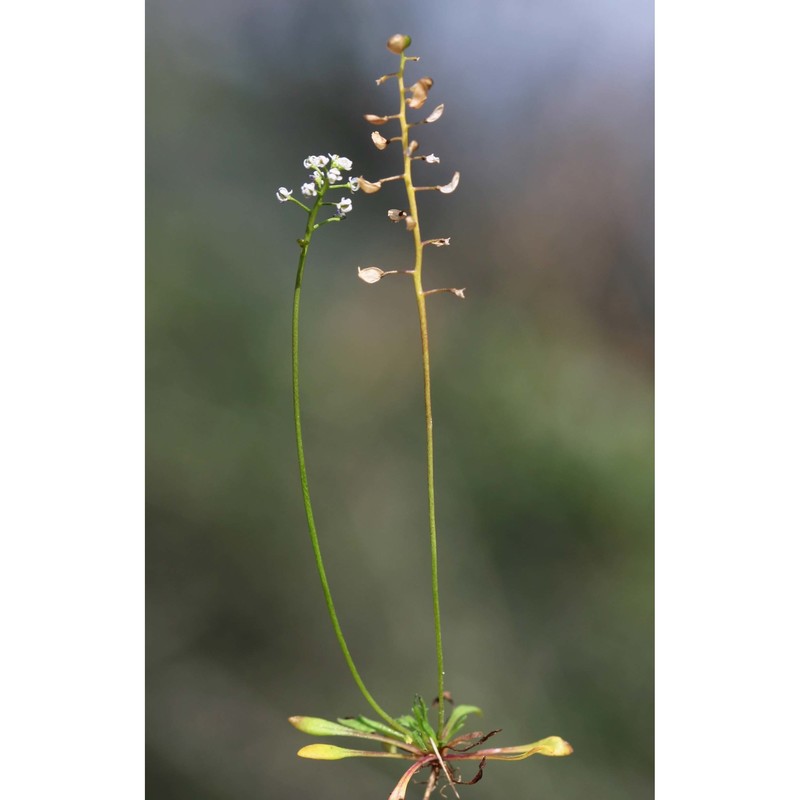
(344, 206)
(318, 179)
(341, 162)
(431, 159)
(309, 190)
(315, 161)
(334, 175)
(283, 194)
(353, 184)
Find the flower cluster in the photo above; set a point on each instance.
(326, 174)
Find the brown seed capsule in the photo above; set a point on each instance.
(398, 43)
(411, 223)
(419, 92)
(367, 187)
(395, 214)
(374, 119)
(379, 141)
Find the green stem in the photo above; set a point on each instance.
(312, 529)
(426, 380)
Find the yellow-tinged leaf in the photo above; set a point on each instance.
(551, 746)
(330, 752)
(325, 752)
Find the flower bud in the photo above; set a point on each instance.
(398, 43)
(370, 274)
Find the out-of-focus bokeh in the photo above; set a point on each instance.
(542, 388)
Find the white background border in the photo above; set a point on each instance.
(71, 327)
(72, 300)
(727, 399)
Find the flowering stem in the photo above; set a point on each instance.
(426, 379)
(312, 530)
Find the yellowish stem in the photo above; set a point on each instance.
(426, 378)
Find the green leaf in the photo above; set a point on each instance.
(419, 740)
(321, 727)
(458, 719)
(372, 727)
(421, 724)
(355, 724)
(380, 727)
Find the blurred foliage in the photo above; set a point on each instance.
(542, 383)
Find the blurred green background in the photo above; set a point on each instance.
(542, 389)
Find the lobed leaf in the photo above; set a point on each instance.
(458, 719)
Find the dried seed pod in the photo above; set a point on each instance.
(412, 146)
(419, 92)
(435, 114)
(368, 187)
(370, 274)
(374, 119)
(396, 214)
(450, 187)
(379, 141)
(438, 242)
(411, 223)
